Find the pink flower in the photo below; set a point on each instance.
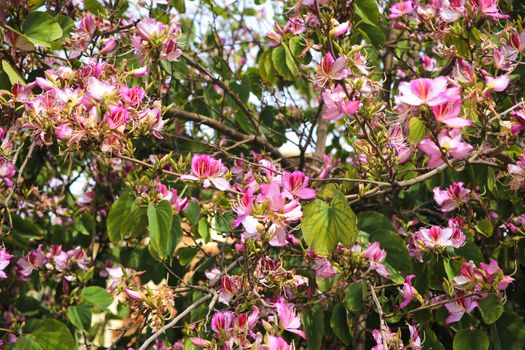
(63, 132)
(99, 89)
(230, 286)
(275, 37)
(149, 28)
(288, 319)
(429, 64)
(448, 112)
(208, 170)
(132, 96)
(133, 294)
(423, 91)
(458, 308)
(338, 104)
(401, 8)
(5, 258)
(415, 340)
(497, 84)
(296, 184)
(436, 237)
(376, 256)
(331, 69)
(277, 343)
(170, 51)
(407, 291)
(516, 41)
(450, 142)
(222, 323)
(109, 46)
(339, 29)
(452, 10)
(452, 197)
(490, 8)
(323, 268)
(116, 117)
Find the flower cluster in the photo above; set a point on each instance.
(92, 104)
(54, 261)
(156, 40)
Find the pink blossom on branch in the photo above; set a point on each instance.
(450, 142)
(423, 91)
(208, 170)
(452, 197)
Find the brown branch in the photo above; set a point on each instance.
(225, 130)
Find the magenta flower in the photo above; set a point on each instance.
(452, 197)
(408, 292)
(415, 340)
(170, 52)
(331, 69)
(288, 319)
(296, 184)
(339, 29)
(517, 42)
(323, 268)
(131, 96)
(208, 170)
(116, 117)
(448, 112)
(423, 91)
(457, 308)
(5, 258)
(401, 8)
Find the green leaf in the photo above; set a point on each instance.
(160, 219)
(12, 73)
(290, 62)
(470, 251)
(382, 230)
(511, 331)
(179, 5)
(467, 339)
(80, 316)
(95, 7)
(204, 229)
(279, 62)
(41, 29)
(339, 324)
(313, 323)
(416, 130)
(491, 309)
(51, 334)
(367, 10)
(354, 297)
(117, 216)
(28, 342)
(485, 227)
(326, 224)
(375, 34)
(97, 296)
(192, 212)
(431, 340)
(136, 221)
(85, 224)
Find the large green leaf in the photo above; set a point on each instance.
(12, 73)
(41, 28)
(80, 316)
(313, 323)
(381, 229)
(326, 224)
(279, 62)
(160, 219)
(117, 216)
(491, 309)
(354, 297)
(511, 331)
(367, 10)
(97, 296)
(49, 334)
(467, 339)
(339, 324)
(28, 342)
